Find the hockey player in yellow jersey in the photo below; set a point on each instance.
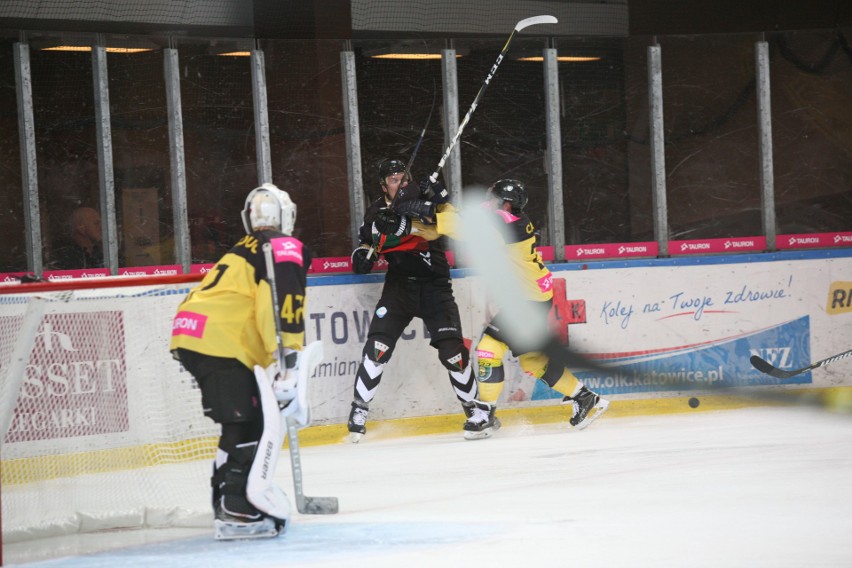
(507, 198)
(544, 359)
(222, 330)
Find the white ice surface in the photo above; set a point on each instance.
(752, 487)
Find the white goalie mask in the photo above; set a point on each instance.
(268, 206)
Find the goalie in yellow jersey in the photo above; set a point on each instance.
(224, 334)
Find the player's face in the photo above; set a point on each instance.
(393, 183)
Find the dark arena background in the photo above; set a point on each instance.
(689, 170)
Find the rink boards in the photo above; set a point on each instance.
(662, 326)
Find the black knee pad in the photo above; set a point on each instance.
(379, 349)
(453, 354)
(235, 434)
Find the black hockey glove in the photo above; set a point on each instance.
(391, 223)
(423, 210)
(360, 263)
(434, 191)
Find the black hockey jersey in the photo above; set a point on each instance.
(411, 255)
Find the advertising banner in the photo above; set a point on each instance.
(660, 328)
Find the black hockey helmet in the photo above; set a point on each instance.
(392, 166)
(511, 190)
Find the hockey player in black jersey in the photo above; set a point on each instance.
(417, 285)
(507, 198)
(224, 328)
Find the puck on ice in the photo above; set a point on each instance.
(694, 402)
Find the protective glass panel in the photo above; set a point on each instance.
(308, 140)
(400, 97)
(711, 140)
(67, 151)
(13, 256)
(140, 147)
(506, 136)
(604, 130)
(812, 130)
(219, 139)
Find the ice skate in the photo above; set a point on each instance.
(587, 405)
(357, 422)
(237, 519)
(481, 421)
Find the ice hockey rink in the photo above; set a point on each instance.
(759, 486)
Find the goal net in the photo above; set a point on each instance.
(101, 428)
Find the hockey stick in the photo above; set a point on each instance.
(423, 132)
(304, 504)
(535, 20)
(411, 159)
(518, 27)
(765, 367)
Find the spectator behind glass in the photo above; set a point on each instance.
(82, 248)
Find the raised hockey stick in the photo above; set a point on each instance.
(372, 250)
(422, 132)
(304, 504)
(765, 367)
(518, 27)
(535, 20)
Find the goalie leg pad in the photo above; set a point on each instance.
(261, 490)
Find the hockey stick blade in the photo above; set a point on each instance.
(535, 20)
(767, 368)
(305, 504)
(317, 505)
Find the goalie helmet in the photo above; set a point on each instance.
(392, 166)
(268, 206)
(510, 190)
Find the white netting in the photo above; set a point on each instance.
(107, 430)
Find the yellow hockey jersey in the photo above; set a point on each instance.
(518, 235)
(229, 314)
(536, 280)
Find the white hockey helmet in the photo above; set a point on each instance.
(268, 206)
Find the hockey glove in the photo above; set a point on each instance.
(434, 191)
(360, 263)
(390, 223)
(423, 210)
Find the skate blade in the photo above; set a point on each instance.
(481, 435)
(355, 437)
(596, 412)
(242, 531)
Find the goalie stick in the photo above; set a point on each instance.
(304, 504)
(765, 367)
